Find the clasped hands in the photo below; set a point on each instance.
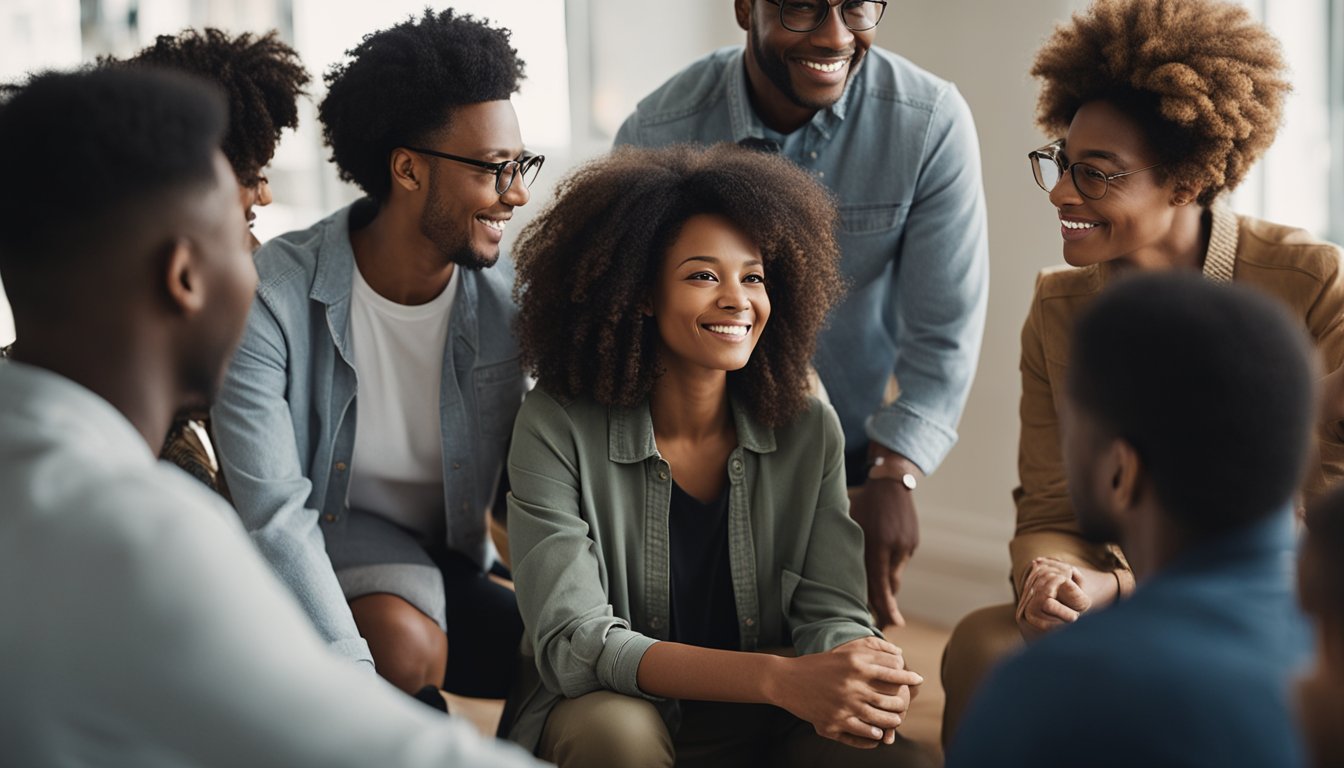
(857, 693)
(1055, 593)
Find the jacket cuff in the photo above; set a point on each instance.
(911, 435)
(618, 666)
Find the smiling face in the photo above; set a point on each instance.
(798, 73)
(463, 215)
(1133, 221)
(710, 302)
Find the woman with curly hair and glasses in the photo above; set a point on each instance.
(678, 497)
(1156, 108)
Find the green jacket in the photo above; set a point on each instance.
(589, 545)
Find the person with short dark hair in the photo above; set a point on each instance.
(364, 422)
(678, 498)
(262, 79)
(1188, 415)
(897, 147)
(141, 627)
(1158, 108)
(1321, 589)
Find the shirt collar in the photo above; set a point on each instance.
(1221, 257)
(746, 124)
(630, 433)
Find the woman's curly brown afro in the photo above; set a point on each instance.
(262, 78)
(588, 263)
(1204, 79)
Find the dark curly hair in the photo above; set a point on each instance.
(262, 79)
(1205, 81)
(402, 85)
(587, 266)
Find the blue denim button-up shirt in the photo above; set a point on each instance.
(285, 418)
(900, 154)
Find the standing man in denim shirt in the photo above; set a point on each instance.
(898, 148)
(364, 421)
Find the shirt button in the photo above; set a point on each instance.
(749, 622)
(456, 465)
(813, 155)
(662, 475)
(655, 622)
(737, 465)
(821, 174)
(340, 466)
(329, 518)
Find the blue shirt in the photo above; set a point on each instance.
(1194, 669)
(900, 154)
(285, 418)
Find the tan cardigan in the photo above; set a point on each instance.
(1285, 262)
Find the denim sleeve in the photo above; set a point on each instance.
(260, 458)
(580, 645)
(940, 292)
(827, 603)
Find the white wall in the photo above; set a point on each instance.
(966, 509)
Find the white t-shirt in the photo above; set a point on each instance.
(396, 470)
(142, 628)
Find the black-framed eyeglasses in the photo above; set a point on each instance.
(1048, 165)
(808, 15)
(527, 166)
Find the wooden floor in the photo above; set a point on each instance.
(921, 643)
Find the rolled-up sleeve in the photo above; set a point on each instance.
(940, 292)
(580, 644)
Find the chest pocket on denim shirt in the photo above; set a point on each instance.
(868, 236)
(499, 393)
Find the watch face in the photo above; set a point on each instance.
(908, 480)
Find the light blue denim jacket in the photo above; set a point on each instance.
(899, 152)
(284, 421)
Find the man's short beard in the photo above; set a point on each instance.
(776, 71)
(454, 245)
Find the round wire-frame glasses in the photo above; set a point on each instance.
(1048, 165)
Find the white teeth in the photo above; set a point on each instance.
(1077, 224)
(731, 330)
(495, 224)
(834, 67)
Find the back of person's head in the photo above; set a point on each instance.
(401, 85)
(262, 79)
(1213, 387)
(587, 267)
(94, 162)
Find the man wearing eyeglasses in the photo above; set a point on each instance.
(363, 423)
(898, 148)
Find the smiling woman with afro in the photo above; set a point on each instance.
(1154, 109)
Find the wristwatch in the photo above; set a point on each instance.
(905, 478)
